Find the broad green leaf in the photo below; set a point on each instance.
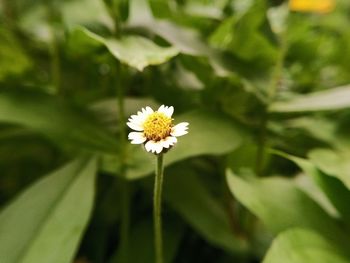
(186, 40)
(139, 52)
(280, 204)
(320, 128)
(332, 176)
(303, 246)
(36, 20)
(55, 119)
(10, 51)
(337, 193)
(332, 163)
(278, 18)
(135, 51)
(330, 99)
(85, 13)
(160, 9)
(312, 188)
(45, 223)
(209, 133)
(189, 197)
(207, 9)
(241, 7)
(36, 23)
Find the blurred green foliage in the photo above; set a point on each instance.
(262, 176)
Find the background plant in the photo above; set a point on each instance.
(265, 91)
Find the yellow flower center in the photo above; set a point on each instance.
(157, 126)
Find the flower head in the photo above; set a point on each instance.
(155, 128)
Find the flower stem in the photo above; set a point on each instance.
(157, 210)
(125, 194)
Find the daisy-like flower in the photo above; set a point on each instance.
(155, 128)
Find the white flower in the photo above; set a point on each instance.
(155, 129)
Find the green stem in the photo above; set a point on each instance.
(271, 94)
(157, 210)
(121, 111)
(55, 64)
(54, 50)
(9, 15)
(112, 7)
(125, 194)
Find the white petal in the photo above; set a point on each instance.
(159, 147)
(168, 141)
(142, 115)
(135, 126)
(153, 146)
(136, 120)
(180, 129)
(168, 111)
(137, 137)
(165, 144)
(149, 110)
(161, 109)
(133, 116)
(149, 146)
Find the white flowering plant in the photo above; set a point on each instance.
(236, 110)
(155, 129)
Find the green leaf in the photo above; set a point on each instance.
(186, 40)
(190, 198)
(206, 9)
(37, 19)
(330, 99)
(135, 51)
(333, 163)
(139, 52)
(319, 128)
(280, 204)
(45, 223)
(36, 23)
(55, 119)
(94, 13)
(335, 190)
(303, 246)
(332, 176)
(160, 9)
(10, 51)
(278, 18)
(313, 188)
(209, 133)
